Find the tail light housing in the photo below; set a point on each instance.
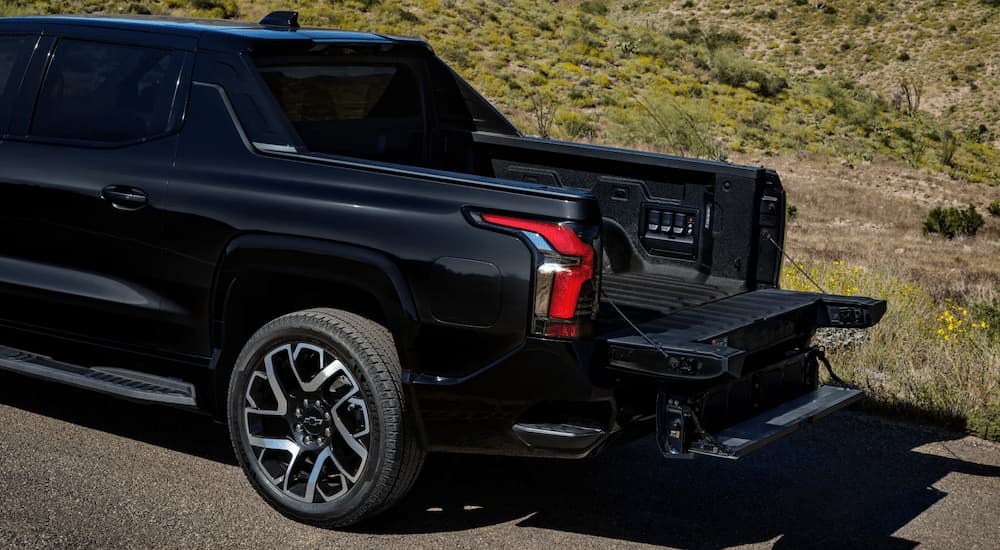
(566, 279)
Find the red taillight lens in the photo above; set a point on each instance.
(560, 278)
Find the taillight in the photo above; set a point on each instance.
(564, 267)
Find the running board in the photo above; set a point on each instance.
(132, 385)
(752, 434)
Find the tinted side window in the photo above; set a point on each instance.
(106, 92)
(11, 50)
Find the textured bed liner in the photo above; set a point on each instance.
(661, 293)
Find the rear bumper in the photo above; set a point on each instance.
(571, 399)
(735, 418)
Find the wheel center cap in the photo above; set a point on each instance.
(313, 423)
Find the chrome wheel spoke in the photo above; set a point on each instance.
(271, 377)
(317, 468)
(262, 382)
(275, 444)
(327, 372)
(350, 439)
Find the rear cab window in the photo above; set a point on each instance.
(379, 102)
(346, 101)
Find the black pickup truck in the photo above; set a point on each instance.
(330, 241)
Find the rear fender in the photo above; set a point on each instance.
(364, 269)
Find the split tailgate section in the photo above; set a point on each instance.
(708, 341)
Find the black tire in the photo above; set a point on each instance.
(362, 400)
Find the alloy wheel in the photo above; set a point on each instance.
(307, 423)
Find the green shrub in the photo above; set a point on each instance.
(679, 125)
(951, 222)
(985, 424)
(407, 16)
(994, 209)
(716, 38)
(731, 68)
(575, 124)
(594, 7)
(225, 9)
(793, 212)
(988, 313)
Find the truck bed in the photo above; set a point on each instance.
(663, 293)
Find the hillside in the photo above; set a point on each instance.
(816, 89)
(948, 48)
(704, 78)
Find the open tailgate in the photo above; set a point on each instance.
(714, 339)
(738, 373)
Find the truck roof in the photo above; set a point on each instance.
(201, 28)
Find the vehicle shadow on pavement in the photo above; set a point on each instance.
(850, 480)
(188, 432)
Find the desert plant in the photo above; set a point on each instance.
(594, 7)
(911, 91)
(687, 131)
(949, 145)
(575, 124)
(952, 222)
(793, 212)
(543, 109)
(994, 209)
(729, 67)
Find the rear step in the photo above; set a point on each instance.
(749, 435)
(558, 436)
(122, 383)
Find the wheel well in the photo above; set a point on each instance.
(254, 299)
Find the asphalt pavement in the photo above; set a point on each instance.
(80, 470)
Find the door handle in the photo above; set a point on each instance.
(124, 198)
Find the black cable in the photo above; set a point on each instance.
(634, 326)
(821, 355)
(794, 263)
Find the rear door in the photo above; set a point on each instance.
(86, 157)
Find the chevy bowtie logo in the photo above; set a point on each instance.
(312, 421)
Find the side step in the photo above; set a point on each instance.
(752, 434)
(563, 437)
(122, 383)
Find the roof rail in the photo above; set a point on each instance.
(287, 20)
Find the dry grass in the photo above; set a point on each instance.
(872, 214)
(859, 231)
